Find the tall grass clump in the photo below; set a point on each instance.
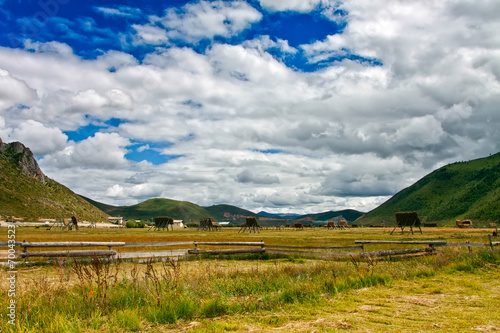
(473, 263)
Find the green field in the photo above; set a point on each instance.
(453, 291)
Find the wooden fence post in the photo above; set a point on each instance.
(25, 251)
(491, 242)
(110, 247)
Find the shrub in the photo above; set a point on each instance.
(131, 224)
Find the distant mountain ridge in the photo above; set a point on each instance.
(289, 216)
(25, 192)
(229, 213)
(461, 190)
(347, 214)
(146, 210)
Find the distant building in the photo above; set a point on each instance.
(41, 219)
(115, 220)
(179, 223)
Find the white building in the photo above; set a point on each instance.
(179, 223)
(115, 220)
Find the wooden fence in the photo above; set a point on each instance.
(25, 254)
(326, 252)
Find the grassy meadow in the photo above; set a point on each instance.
(453, 291)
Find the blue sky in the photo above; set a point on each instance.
(277, 105)
(93, 27)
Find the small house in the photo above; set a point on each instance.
(115, 220)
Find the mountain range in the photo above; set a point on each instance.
(462, 190)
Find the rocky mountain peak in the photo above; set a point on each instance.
(23, 157)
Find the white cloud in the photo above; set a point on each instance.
(290, 5)
(247, 176)
(122, 11)
(101, 151)
(264, 43)
(53, 47)
(149, 34)
(138, 192)
(204, 19)
(40, 139)
(116, 191)
(13, 90)
(4, 131)
(115, 59)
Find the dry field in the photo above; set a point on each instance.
(453, 291)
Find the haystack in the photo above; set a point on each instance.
(207, 224)
(162, 222)
(407, 219)
(252, 224)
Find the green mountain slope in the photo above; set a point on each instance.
(34, 195)
(349, 214)
(229, 213)
(462, 190)
(178, 210)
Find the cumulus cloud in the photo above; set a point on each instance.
(102, 151)
(114, 60)
(204, 19)
(14, 90)
(265, 43)
(247, 176)
(405, 88)
(150, 34)
(56, 48)
(40, 139)
(138, 192)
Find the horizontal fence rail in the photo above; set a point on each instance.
(313, 247)
(397, 252)
(157, 244)
(231, 243)
(228, 251)
(70, 244)
(72, 254)
(433, 243)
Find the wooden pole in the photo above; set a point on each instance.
(25, 251)
(395, 252)
(231, 243)
(228, 251)
(80, 253)
(435, 243)
(71, 244)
